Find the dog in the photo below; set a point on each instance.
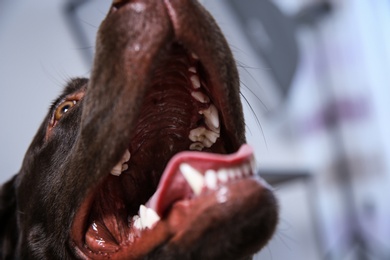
(147, 158)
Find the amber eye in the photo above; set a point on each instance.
(63, 108)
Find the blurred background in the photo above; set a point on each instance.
(315, 82)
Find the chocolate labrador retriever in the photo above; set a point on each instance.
(146, 159)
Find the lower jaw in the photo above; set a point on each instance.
(181, 210)
(190, 221)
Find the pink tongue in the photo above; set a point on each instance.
(173, 187)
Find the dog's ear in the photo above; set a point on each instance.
(8, 228)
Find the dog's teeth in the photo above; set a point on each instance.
(121, 166)
(196, 146)
(204, 136)
(194, 56)
(126, 157)
(211, 117)
(238, 173)
(193, 177)
(246, 170)
(199, 96)
(253, 166)
(211, 179)
(192, 69)
(148, 217)
(222, 175)
(195, 81)
(137, 222)
(117, 170)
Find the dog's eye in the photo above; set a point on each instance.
(63, 108)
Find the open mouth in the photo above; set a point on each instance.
(180, 155)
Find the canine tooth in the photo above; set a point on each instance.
(194, 178)
(196, 147)
(195, 81)
(210, 179)
(192, 69)
(222, 175)
(211, 117)
(199, 96)
(148, 217)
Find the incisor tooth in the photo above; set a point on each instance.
(222, 175)
(246, 169)
(211, 179)
(193, 177)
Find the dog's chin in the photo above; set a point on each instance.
(185, 168)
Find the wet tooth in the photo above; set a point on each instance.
(194, 56)
(126, 157)
(238, 172)
(195, 81)
(211, 117)
(211, 179)
(212, 136)
(204, 136)
(196, 147)
(192, 69)
(246, 169)
(148, 217)
(153, 218)
(117, 170)
(199, 96)
(230, 173)
(222, 175)
(193, 177)
(137, 222)
(125, 167)
(253, 166)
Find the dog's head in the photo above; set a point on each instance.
(159, 124)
